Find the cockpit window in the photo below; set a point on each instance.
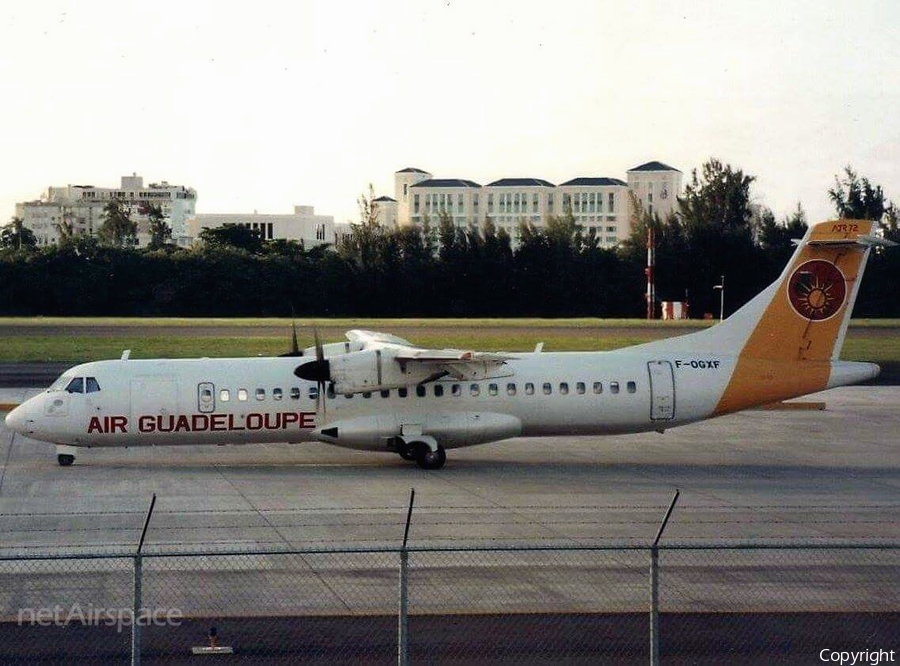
(76, 385)
(91, 385)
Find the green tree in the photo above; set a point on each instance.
(118, 229)
(363, 245)
(16, 236)
(773, 235)
(891, 223)
(717, 198)
(854, 197)
(160, 231)
(233, 236)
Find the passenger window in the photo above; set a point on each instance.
(529, 388)
(548, 388)
(93, 386)
(579, 388)
(474, 389)
(76, 385)
(456, 390)
(402, 392)
(614, 387)
(564, 388)
(242, 395)
(386, 393)
(312, 392)
(260, 394)
(510, 389)
(598, 387)
(277, 394)
(206, 394)
(224, 395)
(438, 390)
(631, 386)
(366, 394)
(492, 389)
(295, 393)
(420, 391)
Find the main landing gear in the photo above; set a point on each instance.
(425, 456)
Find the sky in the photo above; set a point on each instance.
(264, 105)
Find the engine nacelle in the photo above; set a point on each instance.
(375, 370)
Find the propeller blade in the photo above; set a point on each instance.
(320, 353)
(322, 397)
(318, 371)
(295, 345)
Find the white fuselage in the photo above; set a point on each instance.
(250, 400)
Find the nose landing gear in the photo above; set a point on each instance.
(65, 455)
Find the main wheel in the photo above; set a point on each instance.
(406, 452)
(428, 459)
(65, 459)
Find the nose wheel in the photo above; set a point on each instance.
(65, 459)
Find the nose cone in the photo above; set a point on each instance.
(15, 420)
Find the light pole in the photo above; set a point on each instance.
(721, 288)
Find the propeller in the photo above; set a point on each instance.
(318, 371)
(295, 346)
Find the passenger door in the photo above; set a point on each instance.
(206, 397)
(662, 391)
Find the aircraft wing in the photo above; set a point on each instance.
(406, 352)
(387, 361)
(367, 338)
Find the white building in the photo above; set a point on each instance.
(80, 207)
(656, 186)
(387, 211)
(302, 226)
(601, 205)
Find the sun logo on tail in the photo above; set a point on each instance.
(817, 290)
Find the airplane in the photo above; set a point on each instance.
(378, 392)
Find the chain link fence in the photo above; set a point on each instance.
(716, 603)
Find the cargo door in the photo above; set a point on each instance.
(153, 396)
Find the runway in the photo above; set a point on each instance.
(755, 476)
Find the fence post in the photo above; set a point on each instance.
(136, 609)
(654, 585)
(137, 601)
(403, 616)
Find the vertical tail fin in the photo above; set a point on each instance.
(787, 340)
(804, 314)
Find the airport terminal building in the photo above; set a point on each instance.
(600, 204)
